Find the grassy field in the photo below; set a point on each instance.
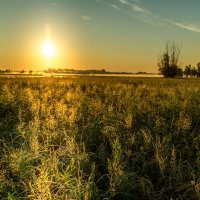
(99, 138)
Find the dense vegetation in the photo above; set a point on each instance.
(192, 71)
(99, 138)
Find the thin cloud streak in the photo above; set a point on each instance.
(134, 7)
(115, 7)
(85, 17)
(189, 27)
(141, 13)
(137, 12)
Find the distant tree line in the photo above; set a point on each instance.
(20, 71)
(5, 71)
(92, 71)
(192, 71)
(73, 71)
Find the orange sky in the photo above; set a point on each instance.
(117, 35)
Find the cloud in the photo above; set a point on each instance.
(124, 2)
(189, 27)
(53, 3)
(85, 17)
(140, 13)
(144, 15)
(139, 9)
(135, 11)
(115, 7)
(134, 7)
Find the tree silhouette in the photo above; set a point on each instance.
(187, 70)
(194, 72)
(198, 69)
(169, 61)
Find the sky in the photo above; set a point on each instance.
(116, 35)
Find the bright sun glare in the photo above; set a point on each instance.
(48, 50)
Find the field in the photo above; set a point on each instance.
(99, 138)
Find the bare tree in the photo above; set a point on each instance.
(168, 62)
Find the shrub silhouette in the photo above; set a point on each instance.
(169, 61)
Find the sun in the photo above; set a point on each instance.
(48, 50)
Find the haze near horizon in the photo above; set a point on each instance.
(118, 35)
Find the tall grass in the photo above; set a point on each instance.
(99, 138)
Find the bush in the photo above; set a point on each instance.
(169, 61)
